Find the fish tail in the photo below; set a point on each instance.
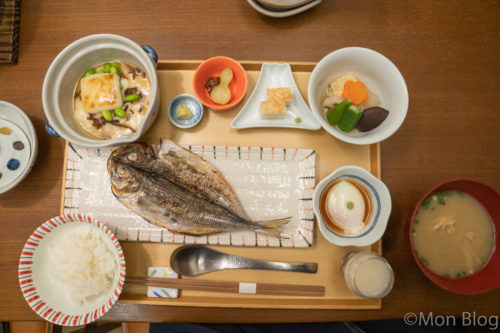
(271, 227)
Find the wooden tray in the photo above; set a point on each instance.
(215, 129)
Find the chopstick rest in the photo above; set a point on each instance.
(162, 292)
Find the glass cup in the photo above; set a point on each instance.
(367, 274)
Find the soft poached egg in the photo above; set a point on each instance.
(345, 207)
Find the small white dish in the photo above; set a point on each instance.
(194, 106)
(42, 292)
(11, 114)
(378, 73)
(381, 207)
(274, 75)
(293, 11)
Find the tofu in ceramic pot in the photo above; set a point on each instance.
(101, 92)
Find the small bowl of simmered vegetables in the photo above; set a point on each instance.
(358, 95)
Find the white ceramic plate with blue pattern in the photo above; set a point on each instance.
(381, 206)
(18, 146)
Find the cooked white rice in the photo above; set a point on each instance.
(82, 264)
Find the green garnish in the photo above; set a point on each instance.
(350, 205)
(461, 194)
(446, 276)
(131, 98)
(298, 120)
(89, 72)
(101, 71)
(416, 221)
(107, 67)
(107, 115)
(426, 202)
(115, 69)
(424, 261)
(440, 198)
(119, 112)
(484, 260)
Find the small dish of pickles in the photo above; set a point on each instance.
(220, 83)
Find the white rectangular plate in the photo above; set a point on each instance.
(270, 183)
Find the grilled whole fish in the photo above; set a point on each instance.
(168, 204)
(182, 167)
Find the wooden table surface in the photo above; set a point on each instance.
(447, 51)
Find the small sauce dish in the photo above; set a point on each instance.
(377, 207)
(194, 106)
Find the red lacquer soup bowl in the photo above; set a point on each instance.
(488, 277)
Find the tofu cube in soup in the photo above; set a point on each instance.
(101, 92)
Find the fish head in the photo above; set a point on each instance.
(137, 154)
(123, 179)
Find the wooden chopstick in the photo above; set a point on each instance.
(229, 286)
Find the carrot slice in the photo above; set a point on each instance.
(356, 91)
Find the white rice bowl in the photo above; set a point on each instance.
(71, 270)
(82, 264)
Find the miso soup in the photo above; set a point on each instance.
(453, 234)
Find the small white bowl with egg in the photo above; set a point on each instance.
(380, 76)
(66, 72)
(352, 207)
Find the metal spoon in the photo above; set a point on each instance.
(193, 260)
